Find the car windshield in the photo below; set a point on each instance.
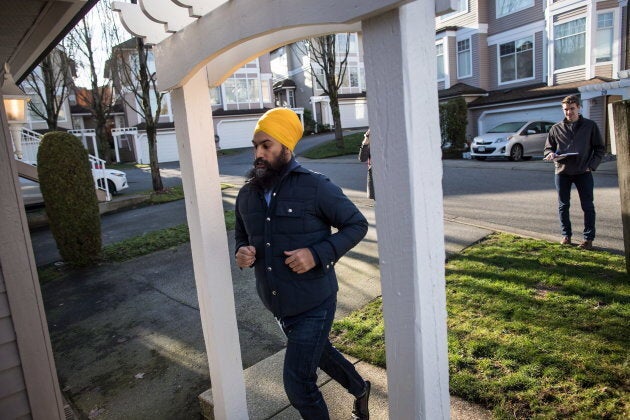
(510, 127)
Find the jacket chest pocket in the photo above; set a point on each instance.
(290, 216)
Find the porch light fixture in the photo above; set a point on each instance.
(15, 102)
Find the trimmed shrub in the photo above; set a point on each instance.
(69, 195)
(453, 121)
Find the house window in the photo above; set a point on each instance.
(604, 37)
(36, 102)
(516, 60)
(244, 89)
(215, 95)
(464, 59)
(507, 7)
(343, 39)
(569, 45)
(291, 98)
(462, 7)
(439, 51)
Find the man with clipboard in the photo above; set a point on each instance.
(576, 147)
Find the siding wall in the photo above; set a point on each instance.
(604, 71)
(465, 20)
(514, 20)
(480, 61)
(493, 56)
(13, 396)
(452, 60)
(607, 4)
(569, 76)
(573, 14)
(596, 111)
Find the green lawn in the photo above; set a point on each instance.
(351, 144)
(535, 330)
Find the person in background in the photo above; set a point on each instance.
(364, 156)
(284, 216)
(575, 145)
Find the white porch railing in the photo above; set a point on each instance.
(30, 146)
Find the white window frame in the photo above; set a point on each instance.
(461, 10)
(464, 76)
(438, 55)
(522, 7)
(613, 31)
(586, 44)
(499, 72)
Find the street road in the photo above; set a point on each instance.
(516, 197)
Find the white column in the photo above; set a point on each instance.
(405, 147)
(208, 240)
(16, 136)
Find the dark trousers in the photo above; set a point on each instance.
(307, 348)
(584, 185)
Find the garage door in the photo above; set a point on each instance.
(354, 114)
(551, 113)
(235, 134)
(166, 147)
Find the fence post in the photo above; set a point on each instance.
(621, 117)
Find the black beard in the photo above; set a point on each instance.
(269, 175)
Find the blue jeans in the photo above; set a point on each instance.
(584, 185)
(307, 348)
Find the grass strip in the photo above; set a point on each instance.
(535, 330)
(351, 143)
(154, 241)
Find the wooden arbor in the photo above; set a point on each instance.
(400, 66)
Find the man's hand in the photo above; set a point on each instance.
(550, 156)
(300, 260)
(245, 256)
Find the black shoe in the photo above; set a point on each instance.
(361, 410)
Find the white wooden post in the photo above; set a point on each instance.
(208, 240)
(403, 111)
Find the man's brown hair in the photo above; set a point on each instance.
(571, 99)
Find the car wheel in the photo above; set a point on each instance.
(480, 157)
(516, 153)
(112, 187)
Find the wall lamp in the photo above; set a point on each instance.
(15, 102)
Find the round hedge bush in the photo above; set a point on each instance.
(67, 186)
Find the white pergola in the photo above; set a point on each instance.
(401, 76)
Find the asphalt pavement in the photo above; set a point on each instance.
(127, 337)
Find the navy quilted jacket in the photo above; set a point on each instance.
(303, 208)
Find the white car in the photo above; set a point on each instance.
(520, 140)
(116, 181)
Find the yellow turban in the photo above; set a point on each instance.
(283, 125)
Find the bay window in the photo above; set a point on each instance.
(570, 44)
(464, 59)
(439, 50)
(507, 7)
(604, 37)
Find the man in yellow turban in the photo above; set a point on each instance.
(284, 219)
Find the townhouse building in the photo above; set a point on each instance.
(514, 60)
(236, 106)
(294, 70)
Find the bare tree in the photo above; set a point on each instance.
(51, 83)
(323, 55)
(86, 40)
(130, 70)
